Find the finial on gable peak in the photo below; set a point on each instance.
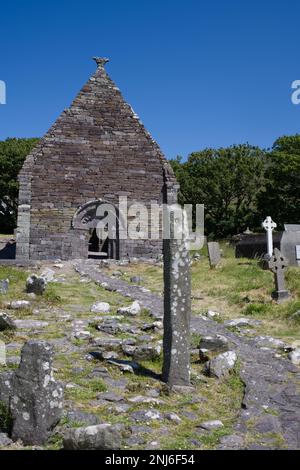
(100, 61)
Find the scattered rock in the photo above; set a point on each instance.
(99, 372)
(30, 324)
(189, 415)
(100, 437)
(128, 350)
(237, 322)
(143, 399)
(119, 408)
(5, 441)
(232, 442)
(100, 307)
(211, 425)
(31, 295)
(4, 285)
(35, 284)
(110, 327)
(136, 279)
(125, 367)
(268, 424)
(146, 352)
(133, 310)
(108, 355)
(212, 314)
(20, 304)
(83, 418)
(221, 365)
(116, 274)
(210, 345)
(268, 341)
(153, 392)
(6, 323)
(37, 399)
(108, 343)
(135, 440)
(48, 274)
(83, 334)
(146, 415)
(294, 356)
(242, 322)
(158, 324)
(173, 417)
(110, 396)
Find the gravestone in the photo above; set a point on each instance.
(177, 310)
(277, 265)
(37, 399)
(292, 227)
(4, 284)
(35, 284)
(269, 226)
(214, 253)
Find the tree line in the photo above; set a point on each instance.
(238, 185)
(242, 184)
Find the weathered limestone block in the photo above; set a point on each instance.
(99, 437)
(37, 399)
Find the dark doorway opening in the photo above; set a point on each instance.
(102, 249)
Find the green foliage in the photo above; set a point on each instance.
(12, 156)
(281, 195)
(226, 181)
(240, 185)
(257, 309)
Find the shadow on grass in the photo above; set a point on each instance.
(137, 368)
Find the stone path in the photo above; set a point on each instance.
(270, 411)
(147, 300)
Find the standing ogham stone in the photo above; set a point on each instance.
(277, 265)
(37, 399)
(177, 312)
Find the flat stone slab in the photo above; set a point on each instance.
(28, 324)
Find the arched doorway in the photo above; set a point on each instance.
(101, 220)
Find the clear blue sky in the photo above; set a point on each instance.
(197, 73)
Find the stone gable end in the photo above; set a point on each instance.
(97, 150)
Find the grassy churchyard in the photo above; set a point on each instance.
(236, 288)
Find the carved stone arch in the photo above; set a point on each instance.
(86, 218)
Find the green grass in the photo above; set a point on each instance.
(236, 288)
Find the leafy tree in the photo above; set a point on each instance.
(12, 156)
(281, 195)
(227, 181)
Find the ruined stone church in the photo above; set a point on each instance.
(96, 151)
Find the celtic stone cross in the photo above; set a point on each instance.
(277, 265)
(269, 226)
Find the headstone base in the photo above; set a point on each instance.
(281, 295)
(182, 389)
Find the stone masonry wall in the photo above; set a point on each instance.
(97, 149)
